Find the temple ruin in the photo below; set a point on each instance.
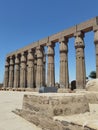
(25, 68)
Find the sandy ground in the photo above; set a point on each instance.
(9, 101)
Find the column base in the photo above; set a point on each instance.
(31, 89)
(65, 90)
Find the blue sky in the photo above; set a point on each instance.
(25, 21)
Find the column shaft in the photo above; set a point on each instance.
(44, 70)
(11, 73)
(35, 70)
(6, 75)
(51, 68)
(23, 72)
(17, 73)
(96, 48)
(80, 61)
(64, 76)
(39, 74)
(30, 70)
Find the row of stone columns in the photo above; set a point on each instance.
(30, 71)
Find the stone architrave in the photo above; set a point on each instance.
(11, 73)
(96, 47)
(30, 69)
(51, 68)
(17, 72)
(39, 73)
(23, 71)
(64, 76)
(80, 61)
(6, 75)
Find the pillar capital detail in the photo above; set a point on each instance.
(79, 41)
(6, 63)
(16, 59)
(30, 56)
(39, 52)
(51, 49)
(63, 46)
(11, 61)
(23, 58)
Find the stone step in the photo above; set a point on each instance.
(87, 120)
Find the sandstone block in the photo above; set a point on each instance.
(92, 85)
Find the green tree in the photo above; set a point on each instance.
(92, 74)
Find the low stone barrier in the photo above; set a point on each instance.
(56, 104)
(41, 108)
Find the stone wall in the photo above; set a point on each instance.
(41, 108)
(56, 104)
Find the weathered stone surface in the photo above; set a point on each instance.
(80, 60)
(27, 74)
(86, 121)
(64, 76)
(41, 108)
(63, 90)
(51, 68)
(92, 85)
(56, 104)
(93, 108)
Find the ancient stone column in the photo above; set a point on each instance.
(23, 71)
(80, 61)
(96, 47)
(44, 69)
(6, 75)
(64, 76)
(30, 69)
(17, 72)
(11, 73)
(51, 69)
(35, 69)
(39, 73)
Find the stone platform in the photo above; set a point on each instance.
(41, 109)
(53, 104)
